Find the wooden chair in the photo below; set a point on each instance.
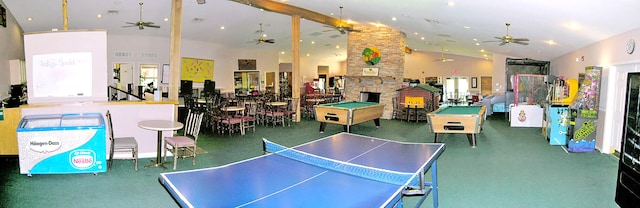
(187, 144)
(290, 112)
(121, 144)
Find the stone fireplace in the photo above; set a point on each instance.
(370, 97)
(390, 69)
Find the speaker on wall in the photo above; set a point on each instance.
(186, 87)
(209, 87)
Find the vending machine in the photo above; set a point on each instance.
(62, 143)
(628, 183)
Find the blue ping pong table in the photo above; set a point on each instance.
(353, 171)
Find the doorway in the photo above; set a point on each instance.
(123, 74)
(456, 88)
(149, 77)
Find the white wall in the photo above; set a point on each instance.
(12, 48)
(419, 65)
(225, 59)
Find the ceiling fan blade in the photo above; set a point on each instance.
(154, 26)
(269, 41)
(503, 43)
(130, 26)
(520, 39)
(521, 43)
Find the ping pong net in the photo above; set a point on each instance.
(372, 173)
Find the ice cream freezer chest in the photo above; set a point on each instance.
(62, 143)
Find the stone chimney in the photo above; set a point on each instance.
(390, 69)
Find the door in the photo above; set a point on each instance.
(485, 85)
(456, 88)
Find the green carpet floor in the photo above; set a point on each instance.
(511, 167)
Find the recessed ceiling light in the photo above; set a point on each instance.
(281, 52)
(166, 19)
(99, 15)
(415, 33)
(477, 44)
(451, 3)
(30, 19)
(222, 27)
(551, 42)
(573, 26)
(482, 50)
(337, 46)
(393, 18)
(308, 54)
(467, 27)
(421, 38)
(313, 42)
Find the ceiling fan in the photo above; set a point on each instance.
(341, 28)
(141, 24)
(261, 38)
(509, 39)
(443, 59)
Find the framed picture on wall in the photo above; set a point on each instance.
(3, 16)
(369, 71)
(246, 64)
(474, 82)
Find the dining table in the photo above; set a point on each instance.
(159, 126)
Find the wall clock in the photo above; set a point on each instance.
(631, 46)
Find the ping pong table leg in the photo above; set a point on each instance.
(435, 139)
(434, 182)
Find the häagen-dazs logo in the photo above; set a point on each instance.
(82, 159)
(44, 144)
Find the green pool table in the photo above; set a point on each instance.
(458, 119)
(348, 113)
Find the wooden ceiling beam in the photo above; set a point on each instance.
(290, 10)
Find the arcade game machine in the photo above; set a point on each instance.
(584, 110)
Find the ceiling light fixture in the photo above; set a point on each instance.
(201, 1)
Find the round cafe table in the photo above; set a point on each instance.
(159, 126)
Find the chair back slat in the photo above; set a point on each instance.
(192, 124)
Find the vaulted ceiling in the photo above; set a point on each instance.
(461, 27)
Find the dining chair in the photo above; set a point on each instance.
(274, 115)
(249, 116)
(185, 145)
(291, 111)
(121, 144)
(228, 122)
